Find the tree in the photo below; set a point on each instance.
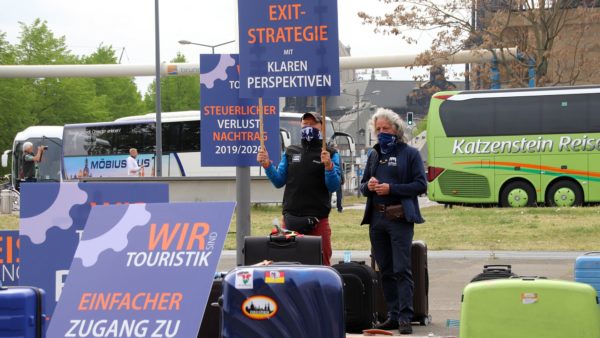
(551, 35)
(120, 93)
(39, 46)
(15, 98)
(57, 101)
(176, 93)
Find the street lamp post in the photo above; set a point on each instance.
(355, 162)
(158, 95)
(358, 99)
(186, 42)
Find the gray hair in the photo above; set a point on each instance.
(394, 119)
(27, 145)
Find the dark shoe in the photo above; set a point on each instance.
(340, 209)
(390, 324)
(405, 328)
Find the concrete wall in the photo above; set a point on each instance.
(205, 189)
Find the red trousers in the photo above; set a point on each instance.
(322, 229)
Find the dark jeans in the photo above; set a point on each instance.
(339, 194)
(391, 242)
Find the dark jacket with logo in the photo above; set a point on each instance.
(410, 181)
(307, 184)
(28, 165)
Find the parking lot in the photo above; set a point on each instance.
(450, 271)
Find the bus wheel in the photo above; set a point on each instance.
(517, 194)
(564, 194)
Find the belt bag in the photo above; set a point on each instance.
(300, 224)
(394, 212)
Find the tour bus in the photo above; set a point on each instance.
(101, 149)
(48, 169)
(515, 147)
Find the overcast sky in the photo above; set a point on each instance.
(128, 25)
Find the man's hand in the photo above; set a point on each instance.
(373, 182)
(262, 157)
(326, 160)
(382, 189)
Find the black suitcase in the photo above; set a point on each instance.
(497, 271)
(211, 321)
(280, 248)
(420, 274)
(360, 287)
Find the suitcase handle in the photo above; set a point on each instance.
(502, 267)
(356, 262)
(281, 239)
(282, 244)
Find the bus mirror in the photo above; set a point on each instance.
(5, 158)
(286, 138)
(351, 144)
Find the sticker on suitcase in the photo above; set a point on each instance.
(259, 307)
(244, 279)
(275, 277)
(529, 298)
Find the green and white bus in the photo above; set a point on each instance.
(515, 147)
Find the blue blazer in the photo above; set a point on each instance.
(411, 182)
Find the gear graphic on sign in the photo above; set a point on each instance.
(115, 238)
(57, 215)
(219, 72)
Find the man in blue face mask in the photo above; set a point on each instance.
(310, 174)
(393, 179)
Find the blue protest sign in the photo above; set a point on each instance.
(143, 270)
(230, 129)
(53, 216)
(9, 257)
(288, 48)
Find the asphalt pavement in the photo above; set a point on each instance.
(451, 271)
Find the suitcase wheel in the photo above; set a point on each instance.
(425, 320)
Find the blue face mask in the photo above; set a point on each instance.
(310, 133)
(387, 142)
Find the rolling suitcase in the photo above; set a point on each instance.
(420, 274)
(587, 269)
(283, 301)
(494, 272)
(529, 307)
(22, 312)
(360, 288)
(280, 248)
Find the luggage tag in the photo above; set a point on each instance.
(375, 332)
(279, 231)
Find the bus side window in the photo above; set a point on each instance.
(190, 136)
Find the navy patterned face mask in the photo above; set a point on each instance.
(387, 142)
(311, 133)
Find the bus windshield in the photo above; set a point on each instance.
(48, 169)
